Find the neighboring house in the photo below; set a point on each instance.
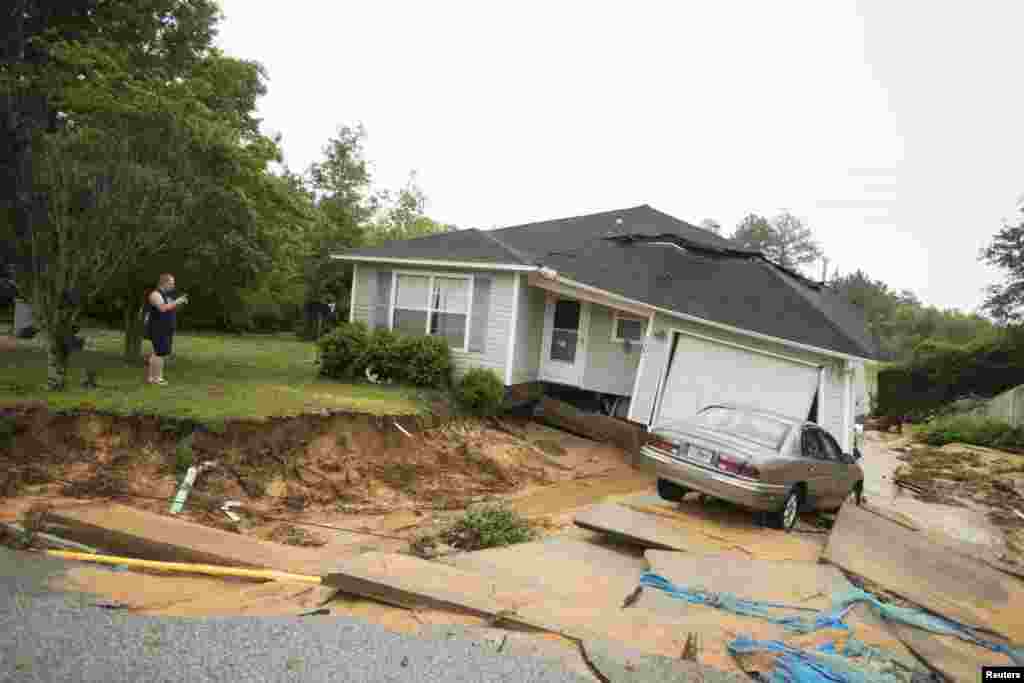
(634, 305)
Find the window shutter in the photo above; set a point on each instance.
(382, 304)
(481, 313)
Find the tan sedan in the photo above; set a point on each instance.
(757, 459)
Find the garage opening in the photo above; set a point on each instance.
(703, 371)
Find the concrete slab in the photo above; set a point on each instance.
(695, 527)
(123, 530)
(913, 566)
(592, 573)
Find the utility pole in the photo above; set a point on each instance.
(824, 268)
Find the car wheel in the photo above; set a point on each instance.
(786, 517)
(856, 496)
(671, 491)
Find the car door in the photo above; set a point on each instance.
(819, 473)
(844, 472)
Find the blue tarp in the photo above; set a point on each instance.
(831, 618)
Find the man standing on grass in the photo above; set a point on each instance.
(161, 319)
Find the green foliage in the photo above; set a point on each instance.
(351, 349)
(1006, 252)
(940, 373)
(344, 352)
(901, 323)
(972, 429)
(488, 527)
(481, 392)
(8, 427)
(785, 239)
(427, 361)
(184, 456)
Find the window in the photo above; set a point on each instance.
(760, 428)
(812, 446)
(432, 305)
(832, 450)
(628, 328)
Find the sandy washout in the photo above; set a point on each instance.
(969, 492)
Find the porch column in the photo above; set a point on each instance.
(847, 441)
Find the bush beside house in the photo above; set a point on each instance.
(351, 352)
(481, 392)
(973, 429)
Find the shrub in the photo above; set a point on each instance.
(184, 457)
(344, 351)
(972, 429)
(427, 361)
(8, 427)
(351, 348)
(481, 392)
(488, 527)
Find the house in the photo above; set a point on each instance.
(655, 315)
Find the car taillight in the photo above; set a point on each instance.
(660, 444)
(734, 465)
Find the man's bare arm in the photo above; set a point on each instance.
(159, 304)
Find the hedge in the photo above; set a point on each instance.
(940, 373)
(351, 349)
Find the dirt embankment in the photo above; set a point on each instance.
(318, 468)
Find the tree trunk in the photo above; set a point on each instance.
(56, 362)
(132, 334)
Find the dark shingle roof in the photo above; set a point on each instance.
(460, 245)
(699, 273)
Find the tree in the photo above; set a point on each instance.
(339, 187)
(711, 225)
(1006, 252)
(786, 240)
(793, 246)
(404, 217)
(113, 140)
(754, 232)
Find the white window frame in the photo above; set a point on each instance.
(616, 316)
(431, 276)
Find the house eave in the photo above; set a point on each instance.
(438, 263)
(632, 304)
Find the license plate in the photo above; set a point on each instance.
(702, 454)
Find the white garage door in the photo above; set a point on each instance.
(704, 373)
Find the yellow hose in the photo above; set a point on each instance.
(209, 569)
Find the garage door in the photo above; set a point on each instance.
(702, 373)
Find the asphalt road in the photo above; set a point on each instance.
(56, 636)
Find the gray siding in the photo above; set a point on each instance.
(499, 326)
(529, 334)
(656, 357)
(610, 369)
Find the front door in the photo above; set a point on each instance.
(563, 353)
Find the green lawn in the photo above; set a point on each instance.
(211, 377)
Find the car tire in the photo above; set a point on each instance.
(785, 518)
(671, 491)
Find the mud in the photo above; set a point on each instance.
(966, 490)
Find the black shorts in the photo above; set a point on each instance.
(162, 344)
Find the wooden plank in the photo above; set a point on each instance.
(570, 568)
(688, 527)
(624, 434)
(123, 530)
(914, 567)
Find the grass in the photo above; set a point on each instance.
(212, 378)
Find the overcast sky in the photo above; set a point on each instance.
(892, 128)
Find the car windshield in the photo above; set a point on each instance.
(763, 429)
